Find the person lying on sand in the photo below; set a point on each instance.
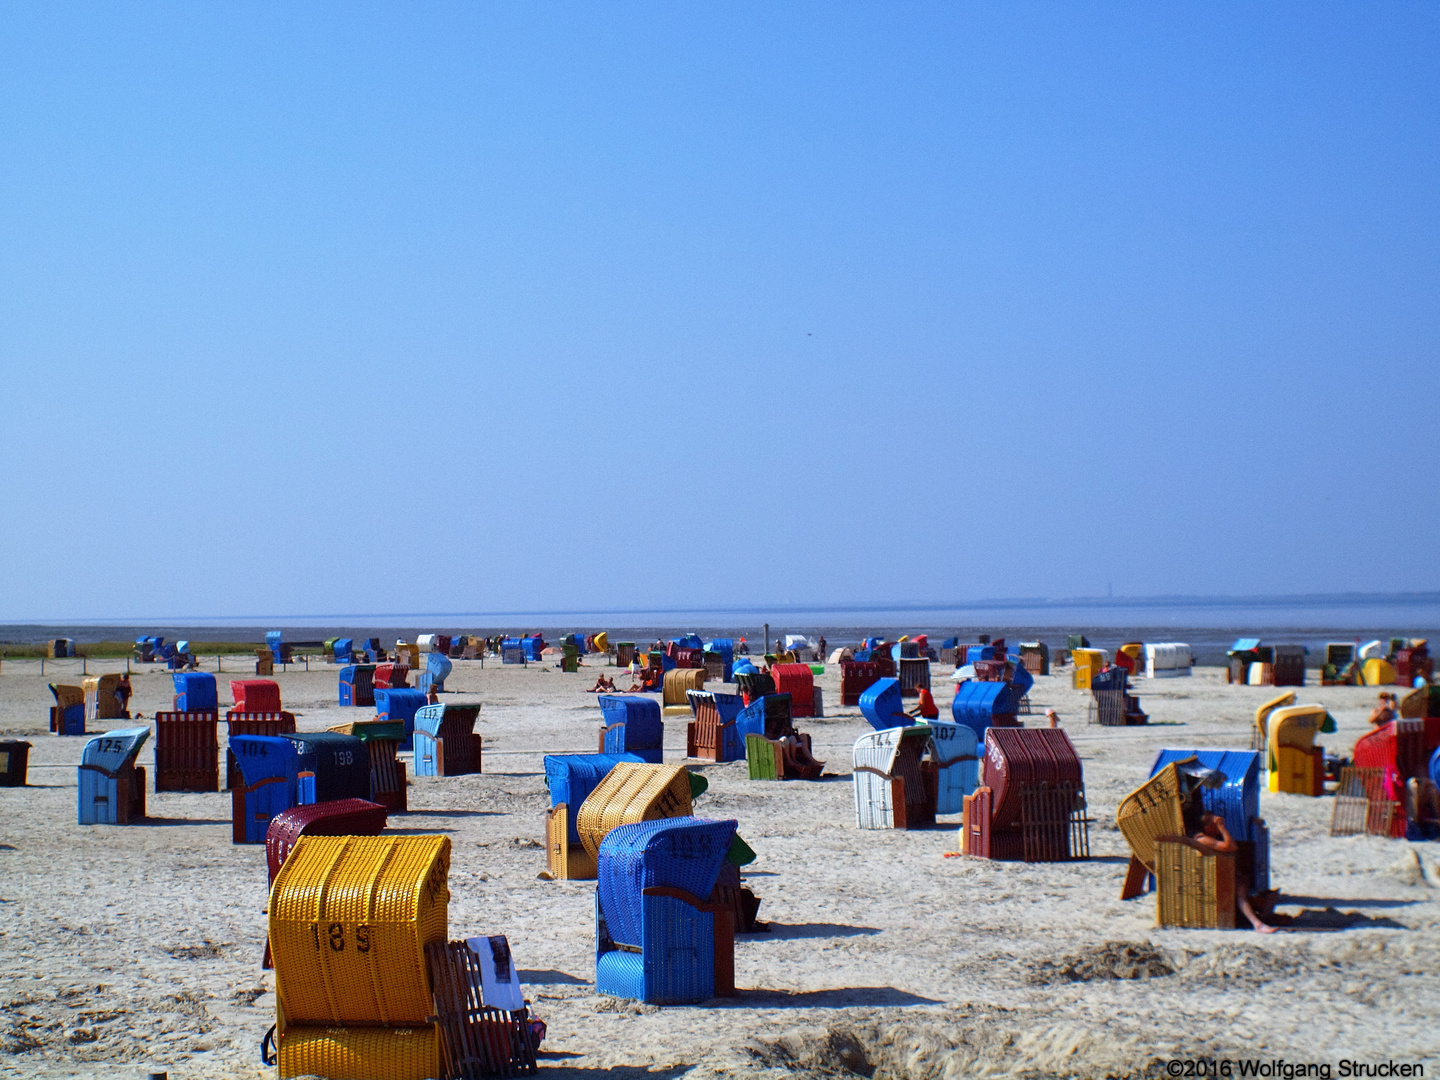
(1217, 838)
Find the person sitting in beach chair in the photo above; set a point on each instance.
(1385, 711)
(798, 759)
(1217, 838)
(1422, 809)
(925, 707)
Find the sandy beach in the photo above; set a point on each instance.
(127, 948)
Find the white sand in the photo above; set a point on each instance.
(122, 948)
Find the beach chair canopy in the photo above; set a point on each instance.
(571, 778)
(1236, 797)
(255, 695)
(640, 715)
(115, 750)
(341, 763)
(977, 704)
(195, 691)
(683, 853)
(882, 706)
(399, 703)
(1015, 757)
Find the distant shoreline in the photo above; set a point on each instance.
(790, 612)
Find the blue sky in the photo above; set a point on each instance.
(385, 308)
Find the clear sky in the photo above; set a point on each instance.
(363, 308)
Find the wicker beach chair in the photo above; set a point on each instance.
(391, 676)
(279, 772)
(774, 750)
(1088, 663)
(446, 743)
(658, 938)
(631, 793)
(1037, 795)
(713, 735)
(103, 697)
(1398, 751)
(914, 675)
(982, 705)
(856, 677)
(570, 779)
(1259, 734)
(754, 685)
(882, 705)
(195, 692)
(1296, 764)
(357, 685)
(631, 724)
(400, 703)
(798, 681)
(1232, 791)
(895, 785)
(14, 761)
(350, 919)
(1420, 703)
(255, 695)
(437, 668)
(187, 751)
(677, 682)
(111, 786)
(387, 772)
(67, 715)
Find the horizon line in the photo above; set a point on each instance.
(1014, 603)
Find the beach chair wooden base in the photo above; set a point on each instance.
(1137, 880)
(1195, 887)
(1053, 825)
(564, 860)
(744, 905)
(975, 823)
(129, 793)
